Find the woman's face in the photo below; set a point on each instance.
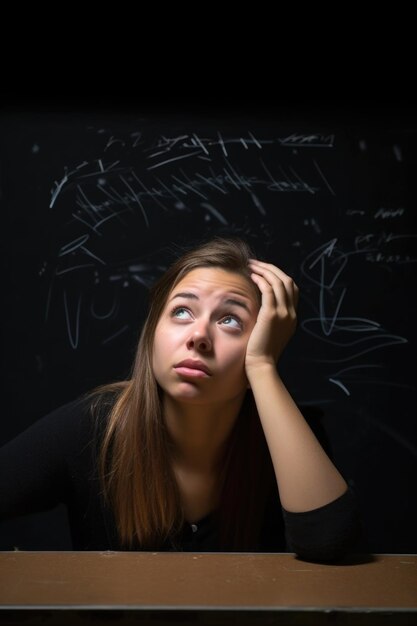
(201, 337)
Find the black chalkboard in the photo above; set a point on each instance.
(96, 204)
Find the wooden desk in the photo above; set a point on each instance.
(204, 588)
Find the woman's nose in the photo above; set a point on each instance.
(200, 339)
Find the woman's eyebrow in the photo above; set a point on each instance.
(231, 301)
(185, 294)
(228, 301)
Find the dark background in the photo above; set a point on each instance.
(99, 194)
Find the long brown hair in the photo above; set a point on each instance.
(135, 454)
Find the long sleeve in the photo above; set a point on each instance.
(55, 461)
(38, 466)
(327, 533)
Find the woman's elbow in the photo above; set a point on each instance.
(322, 550)
(327, 534)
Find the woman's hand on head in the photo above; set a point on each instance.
(277, 317)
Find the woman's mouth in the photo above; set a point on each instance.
(192, 367)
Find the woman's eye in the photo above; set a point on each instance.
(232, 321)
(180, 313)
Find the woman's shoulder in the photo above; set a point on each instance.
(78, 421)
(103, 398)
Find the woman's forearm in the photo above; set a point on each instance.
(306, 477)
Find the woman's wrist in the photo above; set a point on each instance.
(261, 368)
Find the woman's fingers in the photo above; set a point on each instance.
(285, 290)
(269, 297)
(277, 317)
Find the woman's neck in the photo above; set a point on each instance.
(199, 431)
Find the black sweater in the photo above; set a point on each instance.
(54, 462)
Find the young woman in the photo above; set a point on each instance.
(203, 448)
